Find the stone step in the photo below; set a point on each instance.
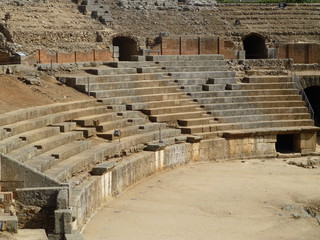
(213, 87)
(36, 148)
(142, 98)
(201, 81)
(238, 99)
(159, 58)
(156, 104)
(110, 71)
(95, 120)
(149, 69)
(228, 93)
(122, 85)
(130, 64)
(47, 120)
(258, 111)
(246, 105)
(278, 123)
(209, 135)
(191, 88)
(256, 86)
(211, 74)
(213, 127)
(65, 126)
(36, 112)
(267, 79)
(57, 141)
(194, 68)
(268, 131)
(195, 121)
(192, 81)
(230, 80)
(266, 117)
(176, 116)
(186, 63)
(136, 91)
(132, 130)
(263, 72)
(64, 170)
(170, 109)
(24, 153)
(12, 143)
(68, 150)
(32, 124)
(119, 124)
(73, 81)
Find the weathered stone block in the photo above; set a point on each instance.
(9, 223)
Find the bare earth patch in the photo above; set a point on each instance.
(228, 200)
(14, 94)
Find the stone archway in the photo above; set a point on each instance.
(255, 46)
(313, 95)
(127, 47)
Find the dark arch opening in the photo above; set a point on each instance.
(313, 94)
(127, 47)
(255, 47)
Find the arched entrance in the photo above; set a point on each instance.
(255, 47)
(127, 47)
(314, 99)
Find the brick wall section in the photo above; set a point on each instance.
(41, 56)
(194, 46)
(189, 46)
(300, 52)
(170, 46)
(6, 59)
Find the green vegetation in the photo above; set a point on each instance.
(268, 1)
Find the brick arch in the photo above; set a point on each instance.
(139, 42)
(310, 81)
(255, 46)
(128, 46)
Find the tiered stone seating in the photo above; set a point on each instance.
(158, 98)
(54, 138)
(295, 19)
(64, 141)
(165, 85)
(98, 10)
(260, 102)
(37, 25)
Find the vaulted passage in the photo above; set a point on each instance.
(127, 47)
(313, 94)
(285, 143)
(255, 47)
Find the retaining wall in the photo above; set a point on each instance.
(14, 174)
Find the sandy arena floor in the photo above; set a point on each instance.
(229, 201)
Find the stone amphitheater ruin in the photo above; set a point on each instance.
(159, 84)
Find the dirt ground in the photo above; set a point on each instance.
(14, 94)
(258, 200)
